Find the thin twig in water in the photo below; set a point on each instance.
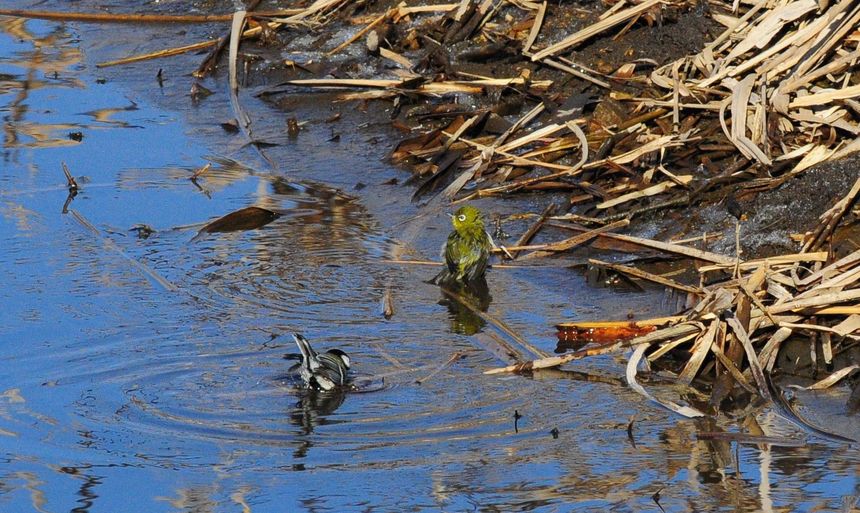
(387, 357)
(144, 269)
(578, 240)
(454, 357)
(70, 180)
(497, 323)
(632, 271)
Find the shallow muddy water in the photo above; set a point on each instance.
(146, 372)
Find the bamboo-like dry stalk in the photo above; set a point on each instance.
(592, 30)
(534, 228)
(382, 17)
(159, 54)
(577, 240)
(680, 330)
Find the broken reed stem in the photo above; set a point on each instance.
(158, 54)
(668, 247)
(388, 302)
(382, 17)
(536, 26)
(201, 171)
(554, 361)
(536, 226)
(70, 180)
(251, 32)
(594, 29)
(454, 357)
(209, 62)
(577, 240)
(831, 219)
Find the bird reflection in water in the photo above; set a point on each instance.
(311, 410)
(314, 406)
(465, 302)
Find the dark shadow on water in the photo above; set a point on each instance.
(599, 277)
(565, 346)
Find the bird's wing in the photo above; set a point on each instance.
(452, 252)
(477, 264)
(492, 242)
(332, 367)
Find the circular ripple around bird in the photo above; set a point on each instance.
(239, 398)
(243, 399)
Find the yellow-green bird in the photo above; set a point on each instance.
(467, 249)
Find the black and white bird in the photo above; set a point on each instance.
(323, 371)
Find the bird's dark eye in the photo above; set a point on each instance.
(461, 217)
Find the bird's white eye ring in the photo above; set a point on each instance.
(461, 217)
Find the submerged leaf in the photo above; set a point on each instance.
(607, 331)
(248, 218)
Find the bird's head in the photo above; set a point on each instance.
(467, 219)
(342, 355)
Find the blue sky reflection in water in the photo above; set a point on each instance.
(116, 386)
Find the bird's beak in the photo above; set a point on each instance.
(450, 215)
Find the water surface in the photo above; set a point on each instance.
(146, 372)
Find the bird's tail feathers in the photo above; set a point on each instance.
(308, 353)
(440, 278)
